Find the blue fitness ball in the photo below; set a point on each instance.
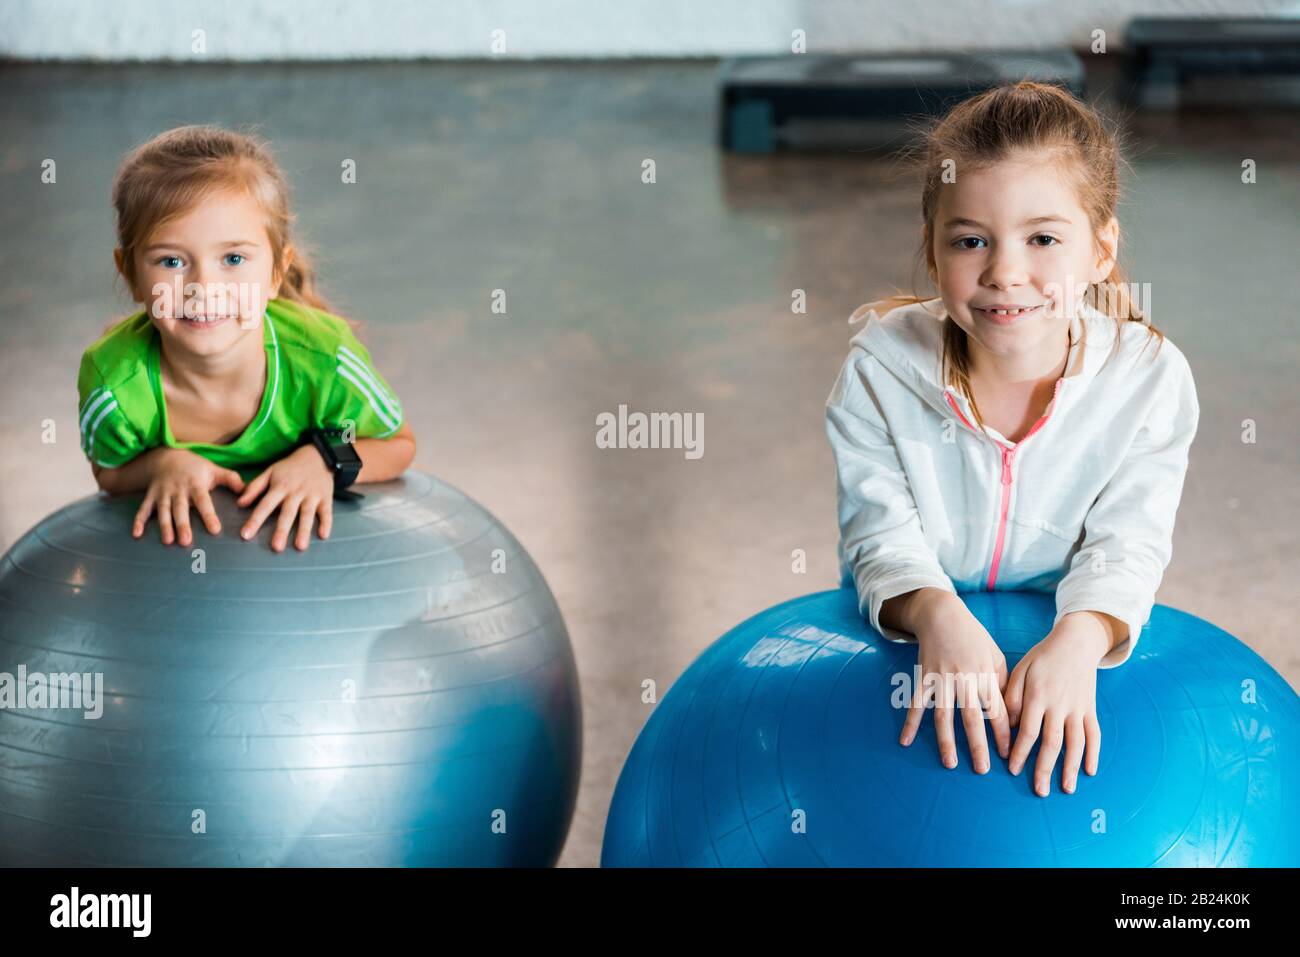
(401, 693)
(779, 747)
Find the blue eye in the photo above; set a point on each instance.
(958, 244)
(165, 259)
(239, 256)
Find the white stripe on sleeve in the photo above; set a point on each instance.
(90, 439)
(93, 402)
(348, 357)
(364, 390)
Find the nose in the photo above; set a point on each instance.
(203, 287)
(1006, 268)
(198, 275)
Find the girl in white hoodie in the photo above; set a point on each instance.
(1014, 432)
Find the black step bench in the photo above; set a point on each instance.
(800, 99)
(1165, 53)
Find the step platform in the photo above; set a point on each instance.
(837, 100)
(1166, 56)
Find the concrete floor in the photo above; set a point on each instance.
(668, 297)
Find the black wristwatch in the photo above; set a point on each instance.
(340, 457)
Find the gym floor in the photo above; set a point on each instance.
(668, 296)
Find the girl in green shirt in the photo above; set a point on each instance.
(234, 356)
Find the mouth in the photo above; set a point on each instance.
(1004, 315)
(202, 322)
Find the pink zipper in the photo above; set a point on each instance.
(1008, 461)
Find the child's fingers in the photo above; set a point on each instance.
(265, 506)
(165, 519)
(1092, 749)
(326, 517)
(910, 724)
(1000, 670)
(305, 520)
(142, 516)
(284, 524)
(231, 479)
(181, 511)
(1049, 749)
(977, 740)
(203, 503)
(943, 731)
(1030, 721)
(1014, 695)
(997, 716)
(914, 715)
(254, 489)
(1073, 753)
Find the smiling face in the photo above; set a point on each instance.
(1013, 237)
(205, 277)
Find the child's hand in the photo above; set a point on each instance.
(954, 645)
(304, 485)
(180, 477)
(1052, 693)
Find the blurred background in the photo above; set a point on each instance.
(503, 145)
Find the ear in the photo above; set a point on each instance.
(1107, 251)
(120, 262)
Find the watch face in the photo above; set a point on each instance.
(345, 453)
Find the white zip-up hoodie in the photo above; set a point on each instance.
(1082, 505)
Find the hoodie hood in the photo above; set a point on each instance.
(908, 341)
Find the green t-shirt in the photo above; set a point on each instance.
(318, 376)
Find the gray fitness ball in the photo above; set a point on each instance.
(403, 693)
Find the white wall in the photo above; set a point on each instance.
(401, 29)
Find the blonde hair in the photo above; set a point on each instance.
(168, 175)
(987, 129)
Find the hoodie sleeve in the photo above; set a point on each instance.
(1128, 532)
(881, 539)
